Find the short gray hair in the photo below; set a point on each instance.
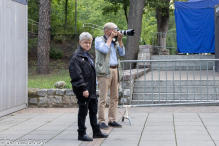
(109, 26)
(85, 35)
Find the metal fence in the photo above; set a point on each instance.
(171, 82)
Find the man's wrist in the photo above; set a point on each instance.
(121, 45)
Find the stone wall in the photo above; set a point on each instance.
(51, 98)
(66, 97)
(127, 84)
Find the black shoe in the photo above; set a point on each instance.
(100, 135)
(115, 124)
(103, 126)
(85, 138)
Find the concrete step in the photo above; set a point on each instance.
(184, 65)
(168, 57)
(141, 102)
(178, 68)
(175, 96)
(177, 89)
(153, 83)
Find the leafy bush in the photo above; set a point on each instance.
(32, 43)
(59, 38)
(55, 53)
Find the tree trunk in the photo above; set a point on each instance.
(44, 37)
(134, 22)
(66, 12)
(162, 15)
(125, 8)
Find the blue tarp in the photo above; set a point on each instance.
(195, 26)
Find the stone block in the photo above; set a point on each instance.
(33, 100)
(123, 101)
(51, 91)
(50, 99)
(60, 91)
(42, 92)
(73, 99)
(57, 99)
(32, 92)
(69, 92)
(134, 73)
(42, 100)
(127, 84)
(66, 100)
(127, 92)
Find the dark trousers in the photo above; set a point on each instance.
(91, 105)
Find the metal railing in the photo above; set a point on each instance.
(171, 82)
(32, 26)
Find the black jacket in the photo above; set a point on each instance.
(83, 75)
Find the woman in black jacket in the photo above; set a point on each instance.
(83, 80)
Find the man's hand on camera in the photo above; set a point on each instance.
(120, 39)
(86, 94)
(114, 33)
(119, 36)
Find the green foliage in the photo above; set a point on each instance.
(48, 81)
(59, 38)
(33, 10)
(116, 6)
(93, 14)
(149, 26)
(55, 53)
(32, 43)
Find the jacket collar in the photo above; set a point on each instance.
(81, 52)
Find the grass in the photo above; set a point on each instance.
(48, 81)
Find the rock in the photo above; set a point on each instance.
(60, 92)
(60, 84)
(123, 101)
(127, 92)
(42, 92)
(32, 92)
(66, 100)
(51, 91)
(73, 99)
(58, 99)
(33, 100)
(69, 92)
(42, 100)
(50, 99)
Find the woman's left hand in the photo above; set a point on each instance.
(86, 94)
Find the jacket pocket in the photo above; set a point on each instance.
(102, 68)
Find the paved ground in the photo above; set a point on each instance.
(152, 126)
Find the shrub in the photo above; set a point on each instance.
(59, 38)
(32, 43)
(55, 53)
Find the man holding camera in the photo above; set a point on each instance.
(107, 67)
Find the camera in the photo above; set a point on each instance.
(129, 32)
